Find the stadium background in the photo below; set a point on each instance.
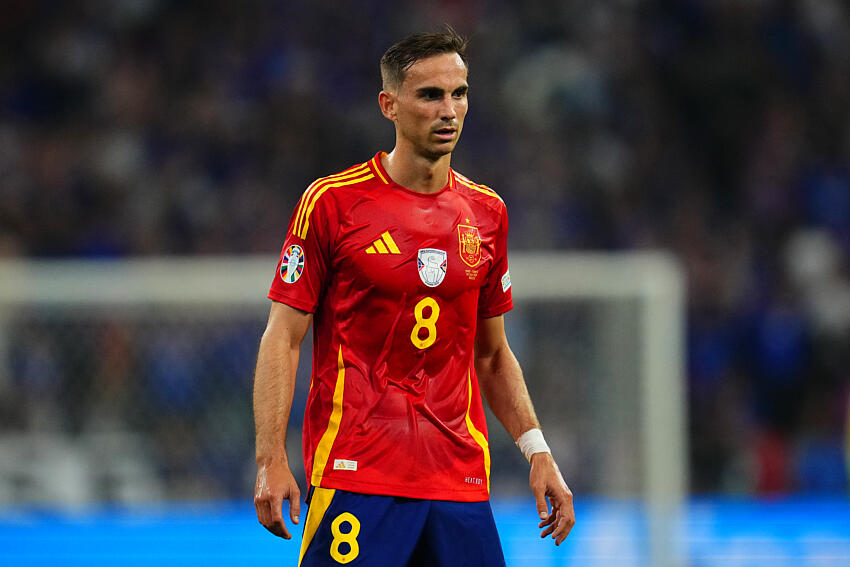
(716, 130)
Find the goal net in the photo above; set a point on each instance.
(132, 379)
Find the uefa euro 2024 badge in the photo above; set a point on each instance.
(431, 264)
(292, 264)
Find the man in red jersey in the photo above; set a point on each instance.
(400, 264)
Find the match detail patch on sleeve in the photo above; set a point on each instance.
(506, 281)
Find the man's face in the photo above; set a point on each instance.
(431, 103)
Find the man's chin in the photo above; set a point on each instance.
(441, 149)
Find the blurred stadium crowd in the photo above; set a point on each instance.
(719, 130)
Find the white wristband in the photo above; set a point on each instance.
(531, 442)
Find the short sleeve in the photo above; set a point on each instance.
(304, 263)
(495, 297)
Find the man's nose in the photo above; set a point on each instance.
(447, 109)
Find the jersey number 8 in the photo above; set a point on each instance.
(429, 323)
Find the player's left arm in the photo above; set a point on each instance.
(504, 389)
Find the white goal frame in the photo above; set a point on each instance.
(654, 279)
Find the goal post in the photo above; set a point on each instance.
(609, 319)
(655, 280)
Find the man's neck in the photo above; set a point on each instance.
(415, 172)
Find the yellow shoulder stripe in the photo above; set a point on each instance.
(473, 185)
(476, 187)
(477, 435)
(306, 221)
(323, 449)
(316, 185)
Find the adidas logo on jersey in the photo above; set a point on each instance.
(384, 245)
(345, 465)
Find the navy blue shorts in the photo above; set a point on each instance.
(386, 531)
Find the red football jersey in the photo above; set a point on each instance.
(397, 281)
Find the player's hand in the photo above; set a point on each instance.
(275, 484)
(547, 483)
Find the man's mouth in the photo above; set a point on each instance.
(445, 133)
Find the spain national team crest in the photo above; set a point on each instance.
(292, 264)
(432, 265)
(470, 244)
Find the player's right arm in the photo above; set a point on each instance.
(274, 387)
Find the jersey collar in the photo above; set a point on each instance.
(381, 173)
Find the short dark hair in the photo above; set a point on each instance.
(401, 56)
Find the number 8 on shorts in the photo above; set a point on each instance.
(349, 537)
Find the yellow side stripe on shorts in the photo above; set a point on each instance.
(319, 504)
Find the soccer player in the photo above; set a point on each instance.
(400, 265)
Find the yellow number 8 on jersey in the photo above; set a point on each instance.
(428, 323)
(349, 537)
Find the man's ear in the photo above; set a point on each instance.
(386, 100)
